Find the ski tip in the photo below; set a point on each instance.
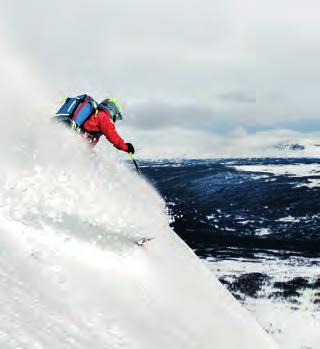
(142, 242)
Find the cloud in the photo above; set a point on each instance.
(238, 97)
(160, 115)
(288, 54)
(177, 65)
(174, 142)
(134, 49)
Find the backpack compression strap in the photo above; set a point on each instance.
(87, 100)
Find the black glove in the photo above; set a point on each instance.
(130, 148)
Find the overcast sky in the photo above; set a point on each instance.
(214, 70)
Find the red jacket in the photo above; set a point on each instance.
(103, 123)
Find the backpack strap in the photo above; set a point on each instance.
(81, 106)
(85, 110)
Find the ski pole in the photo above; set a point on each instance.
(135, 162)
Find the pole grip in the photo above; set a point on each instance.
(135, 163)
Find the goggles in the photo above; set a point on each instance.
(116, 113)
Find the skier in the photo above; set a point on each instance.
(93, 120)
(103, 123)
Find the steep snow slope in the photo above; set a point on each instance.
(70, 273)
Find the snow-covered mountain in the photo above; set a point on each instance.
(291, 147)
(301, 148)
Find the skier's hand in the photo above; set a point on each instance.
(130, 148)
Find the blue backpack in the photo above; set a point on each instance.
(76, 110)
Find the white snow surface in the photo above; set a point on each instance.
(293, 325)
(71, 275)
(312, 171)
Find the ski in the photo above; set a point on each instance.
(141, 242)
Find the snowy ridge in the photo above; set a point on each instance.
(302, 147)
(71, 275)
(312, 171)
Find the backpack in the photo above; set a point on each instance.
(76, 110)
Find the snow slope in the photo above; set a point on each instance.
(70, 273)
